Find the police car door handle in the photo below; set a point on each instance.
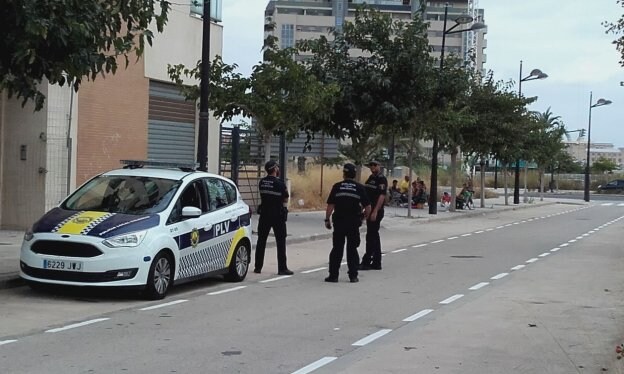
(234, 218)
(208, 227)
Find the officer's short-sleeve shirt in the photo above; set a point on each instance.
(348, 198)
(272, 194)
(376, 185)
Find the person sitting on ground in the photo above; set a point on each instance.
(445, 200)
(420, 195)
(404, 185)
(395, 194)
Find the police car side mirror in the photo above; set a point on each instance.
(191, 212)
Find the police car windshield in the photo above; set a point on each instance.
(123, 194)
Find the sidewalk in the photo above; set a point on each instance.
(302, 227)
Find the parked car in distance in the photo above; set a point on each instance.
(615, 186)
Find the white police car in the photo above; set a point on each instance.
(141, 226)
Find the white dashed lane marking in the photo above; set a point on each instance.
(418, 315)
(226, 290)
(437, 241)
(313, 270)
(451, 299)
(371, 337)
(164, 305)
(518, 267)
(418, 245)
(3, 342)
(544, 254)
(275, 279)
(80, 324)
(478, 286)
(315, 365)
(530, 261)
(499, 276)
(399, 250)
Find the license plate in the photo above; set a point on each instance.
(62, 265)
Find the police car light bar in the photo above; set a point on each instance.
(136, 164)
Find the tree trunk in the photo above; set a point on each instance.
(525, 199)
(267, 147)
(453, 178)
(409, 187)
(541, 187)
(482, 183)
(505, 183)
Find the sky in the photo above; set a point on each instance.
(563, 38)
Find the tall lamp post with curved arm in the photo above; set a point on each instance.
(600, 102)
(460, 20)
(535, 74)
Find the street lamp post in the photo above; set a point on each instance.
(535, 74)
(202, 133)
(461, 20)
(600, 102)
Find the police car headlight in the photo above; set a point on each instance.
(28, 235)
(127, 240)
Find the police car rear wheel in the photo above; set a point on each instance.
(160, 277)
(240, 263)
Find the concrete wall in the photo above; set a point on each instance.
(22, 193)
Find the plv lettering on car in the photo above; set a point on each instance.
(221, 228)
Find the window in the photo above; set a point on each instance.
(217, 195)
(288, 36)
(230, 192)
(193, 196)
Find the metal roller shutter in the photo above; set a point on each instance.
(171, 125)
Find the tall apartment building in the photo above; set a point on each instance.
(308, 19)
(135, 114)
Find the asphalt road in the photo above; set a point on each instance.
(272, 324)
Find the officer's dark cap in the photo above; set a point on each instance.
(270, 165)
(349, 170)
(373, 162)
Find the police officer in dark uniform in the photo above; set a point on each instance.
(349, 204)
(273, 214)
(376, 187)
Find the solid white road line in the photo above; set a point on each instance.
(518, 267)
(451, 299)
(419, 245)
(226, 290)
(399, 250)
(418, 315)
(544, 254)
(313, 270)
(275, 279)
(315, 365)
(532, 260)
(499, 276)
(3, 342)
(620, 204)
(163, 305)
(371, 337)
(85, 323)
(478, 285)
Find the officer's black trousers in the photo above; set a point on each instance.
(372, 257)
(352, 235)
(265, 224)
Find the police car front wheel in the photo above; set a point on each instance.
(240, 262)
(160, 277)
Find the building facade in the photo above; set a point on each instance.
(578, 150)
(135, 114)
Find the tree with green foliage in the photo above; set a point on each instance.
(617, 29)
(281, 94)
(499, 128)
(603, 165)
(64, 41)
(382, 86)
(545, 142)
